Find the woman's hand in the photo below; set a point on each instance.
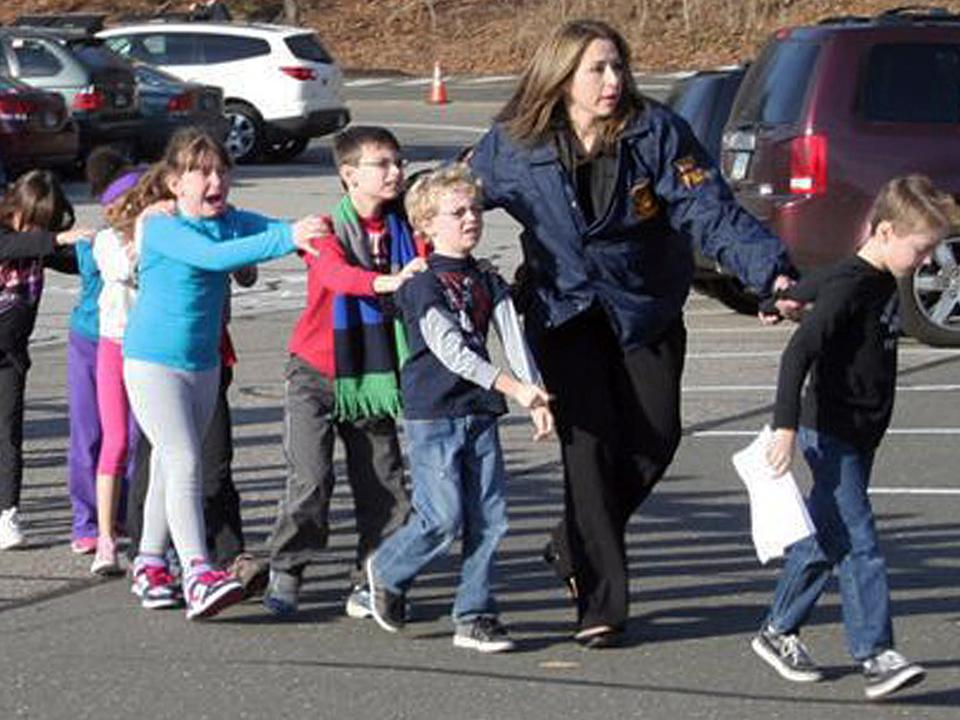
(306, 229)
(786, 309)
(413, 267)
(780, 450)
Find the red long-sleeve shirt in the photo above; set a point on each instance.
(328, 274)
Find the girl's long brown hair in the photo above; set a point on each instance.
(538, 101)
(122, 213)
(38, 200)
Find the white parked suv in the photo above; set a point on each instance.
(280, 86)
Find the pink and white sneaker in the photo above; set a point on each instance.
(208, 593)
(155, 587)
(105, 562)
(83, 546)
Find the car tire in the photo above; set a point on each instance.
(930, 297)
(286, 150)
(731, 292)
(244, 139)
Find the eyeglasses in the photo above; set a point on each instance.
(461, 212)
(384, 164)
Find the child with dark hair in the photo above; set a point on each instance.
(342, 377)
(35, 221)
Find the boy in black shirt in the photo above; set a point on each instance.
(848, 343)
(452, 397)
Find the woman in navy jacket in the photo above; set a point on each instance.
(612, 189)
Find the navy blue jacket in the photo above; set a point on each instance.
(636, 258)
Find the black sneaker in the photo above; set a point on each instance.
(787, 655)
(485, 633)
(388, 608)
(888, 672)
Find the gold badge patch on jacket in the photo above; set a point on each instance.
(644, 201)
(689, 173)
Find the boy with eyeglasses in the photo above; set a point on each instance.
(342, 377)
(453, 397)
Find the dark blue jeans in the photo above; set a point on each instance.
(458, 484)
(846, 539)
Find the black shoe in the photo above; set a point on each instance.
(888, 672)
(787, 655)
(599, 637)
(388, 608)
(484, 633)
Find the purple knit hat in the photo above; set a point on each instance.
(122, 184)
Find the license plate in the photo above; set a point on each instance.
(50, 119)
(738, 170)
(120, 100)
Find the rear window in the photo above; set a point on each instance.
(774, 89)
(34, 58)
(912, 83)
(229, 48)
(308, 47)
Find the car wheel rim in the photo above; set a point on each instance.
(242, 136)
(936, 286)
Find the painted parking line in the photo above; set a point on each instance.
(921, 431)
(367, 82)
(446, 128)
(739, 355)
(708, 389)
(489, 80)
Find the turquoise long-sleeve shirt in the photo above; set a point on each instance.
(85, 318)
(183, 273)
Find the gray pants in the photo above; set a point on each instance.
(173, 408)
(374, 470)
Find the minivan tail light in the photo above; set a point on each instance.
(88, 100)
(300, 73)
(808, 165)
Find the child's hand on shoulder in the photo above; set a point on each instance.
(417, 265)
(72, 237)
(780, 450)
(542, 422)
(306, 229)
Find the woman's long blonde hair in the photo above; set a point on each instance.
(538, 101)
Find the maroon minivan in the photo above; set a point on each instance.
(826, 115)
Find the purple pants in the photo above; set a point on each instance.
(85, 437)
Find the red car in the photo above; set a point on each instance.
(827, 114)
(36, 129)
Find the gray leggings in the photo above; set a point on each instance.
(173, 408)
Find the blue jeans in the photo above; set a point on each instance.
(846, 538)
(458, 484)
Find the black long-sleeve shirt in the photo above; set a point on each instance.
(848, 343)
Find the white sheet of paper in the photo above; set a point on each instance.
(778, 513)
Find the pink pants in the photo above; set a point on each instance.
(114, 409)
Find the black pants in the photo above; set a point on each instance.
(13, 384)
(221, 502)
(374, 470)
(618, 419)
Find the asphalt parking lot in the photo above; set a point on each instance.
(75, 647)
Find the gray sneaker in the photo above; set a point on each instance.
(358, 603)
(485, 633)
(888, 672)
(787, 655)
(386, 606)
(283, 593)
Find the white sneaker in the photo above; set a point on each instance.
(11, 534)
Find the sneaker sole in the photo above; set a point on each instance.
(228, 596)
(785, 672)
(909, 676)
(358, 612)
(106, 570)
(390, 628)
(488, 647)
(13, 545)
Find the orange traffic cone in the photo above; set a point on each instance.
(438, 89)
